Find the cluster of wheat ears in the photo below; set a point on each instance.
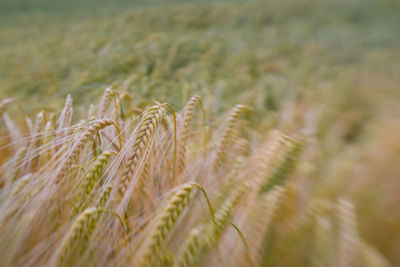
(155, 187)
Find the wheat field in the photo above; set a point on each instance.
(177, 133)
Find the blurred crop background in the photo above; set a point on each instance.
(327, 67)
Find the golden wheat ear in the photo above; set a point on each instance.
(83, 227)
(146, 130)
(79, 145)
(187, 115)
(92, 177)
(105, 99)
(228, 134)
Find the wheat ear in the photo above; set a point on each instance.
(187, 115)
(349, 243)
(105, 99)
(83, 226)
(13, 132)
(93, 175)
(195, 246)
(96, 126)
(285, 166)
(227, 135)
(64, 121)
(188, 252)
(47, 141)
(214, 228)
(263, 214)
(164, 223)
(150, 121)
(18, 161)
(105, 196)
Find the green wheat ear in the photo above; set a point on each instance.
(285, 167)
(187, 115)
(222, 215)
(197, 245)
(97, 125)
(149, 255)
(93, 175)
(228, 134)
(190, 249)
(105, 196)
(82, 228)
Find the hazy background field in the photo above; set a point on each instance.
(335, 61)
